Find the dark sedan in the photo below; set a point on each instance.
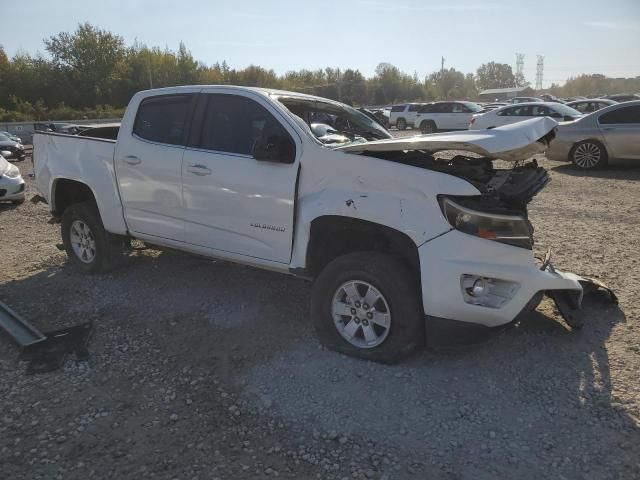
(16, 149)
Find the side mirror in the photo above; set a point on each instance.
(568, 118)
(274, 148)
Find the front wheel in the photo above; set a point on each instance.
(427, 127)
(588, 155)
(366, 305)
(87, 243)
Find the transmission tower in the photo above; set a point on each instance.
(539, 70)
(519, 68)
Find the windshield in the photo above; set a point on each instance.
(474, 107)
(565, 110)
(334, 123)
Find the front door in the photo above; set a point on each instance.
(148, 165)
(234, 203)
(621, 131)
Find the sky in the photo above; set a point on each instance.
(588, 36)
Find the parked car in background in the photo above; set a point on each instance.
(441, 116)
(487, 107)
(11, 136)
(623, 97)
(608, 134)
(11, 182)
(526, 99)
(15, 149)
(523, 111)
(403, 116)
(57, 127)
(546, 97)
(590, 105)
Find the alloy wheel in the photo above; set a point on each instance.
(82, 241)
(587, 155)
(361, 314)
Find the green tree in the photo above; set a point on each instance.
(90, 57)
(495, 75)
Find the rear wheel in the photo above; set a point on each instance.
(401, 124)
(88, 245)
(588, 155)
(427, 127)
(366, 304)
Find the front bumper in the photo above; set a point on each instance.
(11, 188)
(446, 259)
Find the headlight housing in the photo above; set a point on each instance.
(12, 172)
(505, 228)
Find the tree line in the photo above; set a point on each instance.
(92, 73)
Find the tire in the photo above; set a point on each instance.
(401, 124)
(398, 306)
(589, 155)
(18, 202)
(88, 245)
(427, 127)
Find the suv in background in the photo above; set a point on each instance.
(446, 116)
(622, 97)
(404, 115)
(526, 100)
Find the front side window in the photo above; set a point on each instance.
(414, 108)
(233, 124)
(622, 115)
(397, 108)
(163, 119)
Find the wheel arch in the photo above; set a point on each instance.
(334, 235)
(65, 192)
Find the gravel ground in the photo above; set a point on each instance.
(204, 370)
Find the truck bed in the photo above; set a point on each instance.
(84, 159)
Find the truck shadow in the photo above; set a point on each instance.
(531, 386)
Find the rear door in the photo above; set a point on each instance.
(621, 131)
(234, 203)
(148, 162)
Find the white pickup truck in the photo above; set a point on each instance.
(402, 246)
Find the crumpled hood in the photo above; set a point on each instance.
(513, 142)
(4, 165)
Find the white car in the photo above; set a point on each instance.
(523, 111)
(440, 116)
(400, 245)
(404, 115)
(11, 182)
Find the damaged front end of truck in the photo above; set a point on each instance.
(495, 284)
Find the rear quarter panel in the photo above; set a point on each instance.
(85, 160)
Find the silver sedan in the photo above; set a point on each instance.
(599, 138)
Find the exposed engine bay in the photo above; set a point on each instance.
(515, 187)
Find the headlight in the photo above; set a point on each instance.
(511, 229)
(12, 172)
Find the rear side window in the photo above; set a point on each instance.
(397, 108)
(163, 119)
(233, 124)
(621, 115)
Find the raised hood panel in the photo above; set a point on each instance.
(517, 141)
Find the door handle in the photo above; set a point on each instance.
(200, 170)
(131, 160)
